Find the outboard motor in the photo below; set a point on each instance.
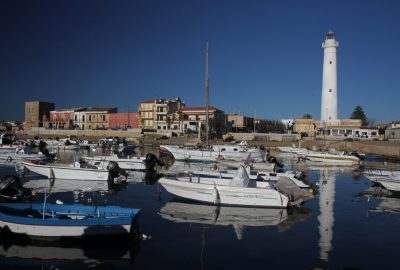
(115, 170)
(299, 175)
(166, 157)
(42, 146)
(152, 161)
(12, 189)
(272, 159)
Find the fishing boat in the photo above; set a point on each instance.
(237, 191)
(75, 220)
(76, 171)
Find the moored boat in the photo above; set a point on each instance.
(75, 220)
(75, 172)
(237, 191)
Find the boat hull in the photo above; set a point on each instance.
(67, 172)
(225, 195)
(126, 164)
(180, 153)
(77, 221)
(331, 159)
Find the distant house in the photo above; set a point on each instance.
(97, 118)
(63, 119)
(124, 120)
(193, 119)
(393, 131)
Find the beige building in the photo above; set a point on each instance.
(305, 125)
(37, 112)
(194, 118)
(158, 113)
(96, 118)
(241, 123)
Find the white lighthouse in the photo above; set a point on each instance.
(329, 80)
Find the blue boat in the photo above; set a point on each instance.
(73, 220)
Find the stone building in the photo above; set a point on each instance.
(37, 113)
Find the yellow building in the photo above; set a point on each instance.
(158, 113)
(97, 118)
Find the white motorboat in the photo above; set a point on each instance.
(381, 173)
(339, 159)
(294, 150)
(392, 184)
(134, 163)
(7, 143)
(23, 154)
(237, 191)
(62, 144)
(272, 177)
(238, 152)
(75, 171)
(262, 166)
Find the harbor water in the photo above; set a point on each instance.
(348, 225)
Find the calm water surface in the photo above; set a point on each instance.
(340, 229)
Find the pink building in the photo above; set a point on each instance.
(124, 120)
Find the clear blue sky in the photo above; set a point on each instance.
(264, 57)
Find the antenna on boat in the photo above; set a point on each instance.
(206, 89)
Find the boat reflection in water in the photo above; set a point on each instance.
(388, 201)
(67, 254)
(182, 211)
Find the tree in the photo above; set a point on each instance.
(358, 113)
(307, 116)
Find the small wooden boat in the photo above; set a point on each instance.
(75, 220)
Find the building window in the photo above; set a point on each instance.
(83, 118)
(330, 90)
(330, 62)
(90, 118)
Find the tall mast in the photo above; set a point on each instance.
(207, 125)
